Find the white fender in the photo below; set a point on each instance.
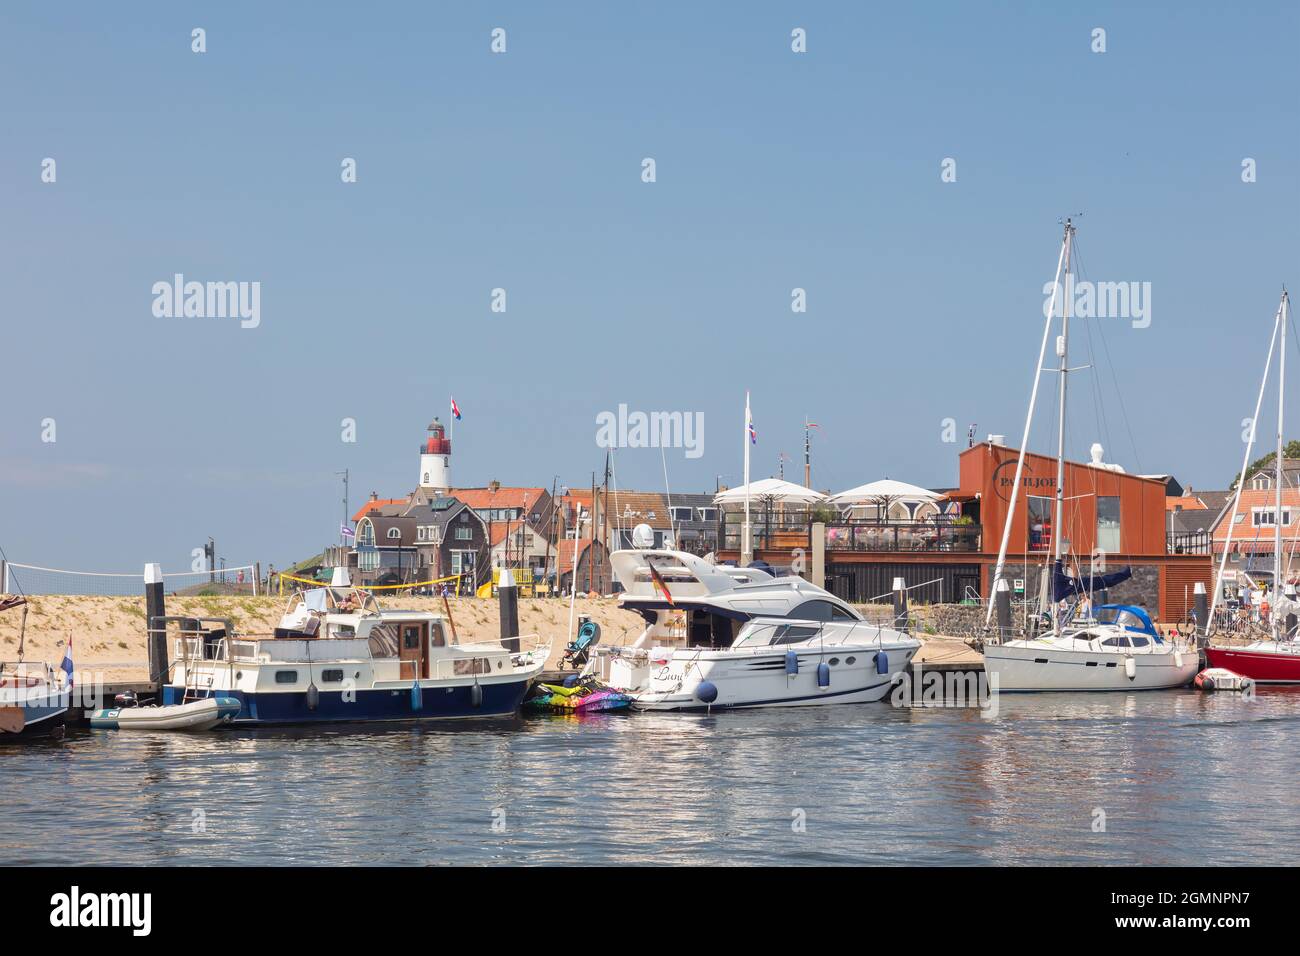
(1178, 658)
(1130, 668)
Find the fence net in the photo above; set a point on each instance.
(31, 579)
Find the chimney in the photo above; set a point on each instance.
(374, 496)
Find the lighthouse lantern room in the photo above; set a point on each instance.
(435, 460)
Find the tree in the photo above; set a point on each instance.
(1290, 452)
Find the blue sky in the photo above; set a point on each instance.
(522, 170)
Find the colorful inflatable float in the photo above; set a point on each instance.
(584, 697)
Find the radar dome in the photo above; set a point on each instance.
(643, 536)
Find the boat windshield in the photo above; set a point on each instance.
(767, 633)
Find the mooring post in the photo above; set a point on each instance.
(156, 628)
(1201, 608)
(818, 534)
(1290, 620)
(900, 604)
(1002, 606)
(509, 598)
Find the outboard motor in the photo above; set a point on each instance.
(127, 699)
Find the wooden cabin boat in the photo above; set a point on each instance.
(338, 656)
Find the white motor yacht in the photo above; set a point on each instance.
(719, 636)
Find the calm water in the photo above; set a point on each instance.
(1184, 778)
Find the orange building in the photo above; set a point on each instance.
(1109, 517)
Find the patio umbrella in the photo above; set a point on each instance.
(883, 493)
(769, 489)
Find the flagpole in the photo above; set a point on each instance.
(451, 409)
(807, 455)
(746, 543)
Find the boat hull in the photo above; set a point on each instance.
(42, 712)
(751, 682)
(1013, 669)
(500, 699)
(1263, 667)
(195, 715)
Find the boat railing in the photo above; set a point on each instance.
(25, 674)
(533, 651)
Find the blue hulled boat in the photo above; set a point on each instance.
(338, 656)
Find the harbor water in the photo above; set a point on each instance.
(1164, 777)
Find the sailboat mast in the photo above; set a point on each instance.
(1000, 567)
(746, 542)
(1277, 508)
(1062, 353)
(1245, 464)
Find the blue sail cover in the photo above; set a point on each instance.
(1065, 586)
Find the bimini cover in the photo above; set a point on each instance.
(1128, 617)
(1066, 586)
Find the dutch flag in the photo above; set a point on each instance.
(455, 410)
(67, 661)
(753, 435)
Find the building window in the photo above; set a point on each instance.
(681, 514)
(419, 533)
(1040, 524)
(394, 533)
(708, 514)
(464, 534)
(367, 560)
(1108, 524)
(1266, 517)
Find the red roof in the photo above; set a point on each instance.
(565, 549)
(499, 529)
(503, 497)
(1248, 536)
(378, 503)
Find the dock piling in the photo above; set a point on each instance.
(1002, 605)
(508, 594)
(900, 604)
(1201, 611)
(155, 611)
(1290, 619)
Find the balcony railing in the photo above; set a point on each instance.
(781, 531)
(1191, 542)
(903, 536)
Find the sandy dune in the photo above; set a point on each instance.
(109, 639)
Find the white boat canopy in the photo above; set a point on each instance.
(884, 490)
(773, 489)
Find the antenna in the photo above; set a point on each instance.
(345, 476)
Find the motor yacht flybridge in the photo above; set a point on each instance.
(719, 636)
(1115, 647)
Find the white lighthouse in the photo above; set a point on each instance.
(435, 460)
